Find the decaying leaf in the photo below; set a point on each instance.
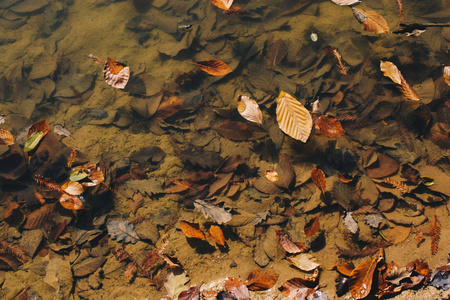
(271, 175)
(293, 118)
(217, 234)
(116, 73)
(35, 134)
(435, 233)
(318, 177)
(350, 223)
(259, 280)
(237, 287)
(328, 126)
(121, 230)
(312, 226)
(390, 70)
(371, 21)
(213, 67)
(360, 281)
(168, 108)
(6, 138)
(304, 261)
(175, 284)
(233, 130)
(42, 126)
(38, 217)
(249, 109)
(447, 74)
(277, 51)
(345, 2)
(222, 4)
(61, 130)
(288, 245)
(192, 230)
(218, 214)
(294, 288)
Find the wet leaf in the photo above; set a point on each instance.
(371, 21)
(192, 230)
(328, 126)
(312, 226)
(61, 130)
(218, 214)
(293, 118)
(397, 234)
(175, 284)
(318, 177)
(149, 186)
(374, 220)
(345, 2)
(271, 175)
(168, 108)
(121, 230)
(6, 138)
(249, 109)
(232, 163)
(344, 268)
(288, 245)
(259, 280)
(193, 293)
(236, 131)
(37, 218)
(217, 234)
(221, 181)
(360, 281)
(435, 234)
(213, 67)
(294, 288)
(237, 287)
(71, 202)
(277, 51)
(447, 74)
(73, 188)
(42, 126)
(383, 167)
(304, 261)
(350, 223)
(78, 174)
(390, 70)
(285, 172)
(222, 4)
(88, 266)
(116, 73)
(33, 141)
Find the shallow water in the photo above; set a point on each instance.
(46, 74)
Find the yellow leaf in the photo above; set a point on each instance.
(293, 118)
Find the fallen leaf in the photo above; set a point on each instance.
(116, 73)
(217, 234)
(447, 74)
(318, 177)
(121, 230)
(175, 284)
(73, 188)
(41, 126)
(222, 4)
(435, 232)
(288, 245)
(271, 175)
(304, 261)
(360, 281)
(350, 223)
(193, 293)
(249, 109)
(285, 172)
(218, 214)
(344, 268)
(61, 130)
(293, 118)
(294, 288)
(221, 181)
(383, 167)
(328, 126)
(259, 280)
(33, 141)
(237, 287)
(345, 2)
(71, 202)
(6, 138)
(37, 218)
(390, 70)
(168, 108)
(312, 226)
(277, 51)
(213, 67)
(371, 21)
(397, 234)
(192, 230)
(236, 131)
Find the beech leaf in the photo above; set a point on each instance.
(218, 214)
(236, 131)
(121, 230)
(304, 261)
(249, 109)
(213, 67)
(371, 21)
(6, 138)
(277, 51)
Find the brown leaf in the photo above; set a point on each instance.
(71, 202)
(259, 280)
(295, 288)
(38, 217)
(168, 108)
(177, 186)
(360, 281)
(232, 163)
(213, 67)
(88, 266)
(192, 293)
(435, 232)
(288, 245)
(73, 188)
(277, 51)
(390, 70)
(16, 251)
(116, 73)
(222, 4)
(371, 21)
(328, 126)
(136, 202)
(318, 177)
(344, 268)
(236, 131)
(237, 287)
(6, 138)
(217, 234)
(312, 226)
(345, 2)
(192, 230)
(221, 182)
(397, 234)
(383, 167)
(285, 172)
(39, 126)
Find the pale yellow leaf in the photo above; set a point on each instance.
(304, 261)
(249, 109)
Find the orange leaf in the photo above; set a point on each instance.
(168, 108)
(39, 126)
(71, 202)
(390, 70)
(222, 4)
(312, 226)
(360, 281)
(116, 74)
(73, 188)
(344, 268)
(192, 230)
(328, 126)
(344, 179)
(259, 280)
(447, 74)
(318, 177)
(6, 138)
(213, 67)
(288, 245)
(217, 234)
(237, 287)
(435, 231)
(371, 21)
(177, 186)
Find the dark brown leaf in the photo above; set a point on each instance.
(88, 266)
(383, 167)
(312, 226)
(318, 177)
(38, 217)
(232, 163)
(236, 131)
(192, 293)
(277, 51)
(168, 108)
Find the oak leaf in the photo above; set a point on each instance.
(218, 214)
(122, 230)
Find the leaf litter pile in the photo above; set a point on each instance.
(224, 149)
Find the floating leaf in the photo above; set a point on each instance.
(6, 138)
(237, 287)
(295, 289)
(360, 281)
(192, 230)
(73, 188)
(318, 177)
(447, 74)
(42, 126)
(277, 51)
(328, 126)
(213, 67)
(33, 140)
(371, 21)
(222, 4)
(259, 280)
(218, 214)
(435, 232)
(116, 73)
(168, 108)
(217, 234)
(249, 109)
(304, 261)
(293, 118)
(312, 226)
(288, 245)
(271, 175)
(390, 70)
(121, 230)
(345, 2)
(78, 174)
(236, 131)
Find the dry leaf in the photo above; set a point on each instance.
(175, 284)
(217, 234)
(259, 280)
(390, 70)
(222, 4)
(295, 289)
(249, 109)
(236, 131)
(218, 214)
(237, 287)
(293, 118)
(371, 21)
(6, 138)
(213, 67)
(345, 2)
(271, 175)
(122, 230)
(277, 51)
(328, 126)
(360, 281)
(318, 177)
(192, 230)
(304, 261)
(288, 245)
(312, 226)
(116, 74)
(435, 232)
(73, 188)
(447, 74)
(168, 108)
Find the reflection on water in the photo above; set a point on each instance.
(174, 135)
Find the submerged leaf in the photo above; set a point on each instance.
(294, 288)
(78, 174)
(249, 109)
(371, 21)
(217, 234)
(33, 141)
(73, 188)
(116, 74)
(6, 138)
(213, 67)
(236, 131)
(328, 126)
(390, 70)
(318, 177)
(237, 287)
(121, 230)
(304, 261)
(277, 51)
(218, 214)
(175, 284)
(360, 281)
(42, 126)
(288, 245)
(259, 280)
(312, 226)
(192, 230)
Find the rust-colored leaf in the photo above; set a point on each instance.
(71, 202)
(312, 226)
(217, 234)
(168, 108)
(72, 156)
(360, 281)
(39, 197)
(259, 280)
(236, 131)
(177, 186)
(435, 233)
(42, 126)
(95, 174)
(371, 21)
(193, 293)
(38, 217)
(344, 178)
(328, 126)
(237, 287)
(295, 288)
(116, 73)
(288, 245)
(222, 4)
(213, 67)
(390, 70)
(192, 230)
(6, 138)
(344, 268)
(318, 177)
(277, 51)
(383, 167)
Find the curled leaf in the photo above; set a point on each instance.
(249, 109)
(304, 261)
(41, 126)
(360, 281)
(71, 202)
(213, 67)
(6, 138)
(371, 21)
(295, 288)
(390, 70)
(116, 74)
(78, 174)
